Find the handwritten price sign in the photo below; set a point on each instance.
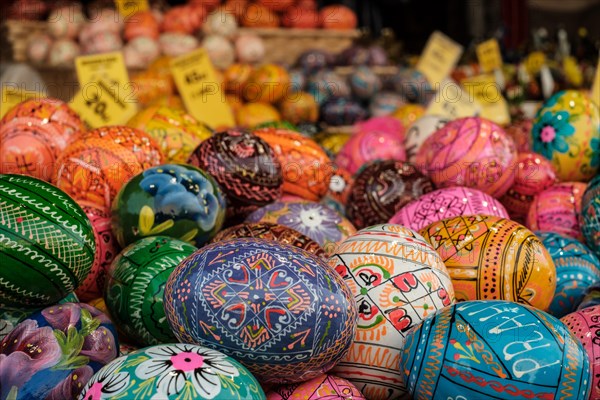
(489, 56)
(99, 104)
(439, 58)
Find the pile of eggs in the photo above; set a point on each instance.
(412, 257)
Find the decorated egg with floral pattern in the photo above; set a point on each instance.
(397, 279)
(177, 132)
(577, 268)
(279, 310)
(324, 387)
(34, 133)
(53, 353)
(173, 371)
(472, 152)
(589, 217)
(246, 168)
(47, 246)
(135, 287)
(492, 258)
(494, 349)
(557, 209)
(176, 200)
(567, 132)
(317, 221)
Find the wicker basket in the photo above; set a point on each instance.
(18, 34)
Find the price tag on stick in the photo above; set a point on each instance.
(489, 56)
(439, 58)
(196, 81)
(129, 7)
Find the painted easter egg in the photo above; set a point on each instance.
(366, 146)
(397, 279)
(250, 48)
(419, 131)
(317, 221)
(220, 22)
(34, 133)
(381, 188)
(142, 24)
(492, 258)
(135, 287)
(447, 203)
(364, 82)
(520, 132)
(472, 152)
(107, 249)
(245, 167)
(324, 387)
(409, 113)
(341, 111)
(413, 86)
(314, 60)
(385, 103)
(250, 115)
(220, 51)
(271, 231)
(305, 166)
(533, 174)
(279, 310)
(585, 325)
(268, 84)
(566, 131)
(473, 348)
(332, 142)
(557, 209)
(236, 76)
(47, 238)
(64, 51)
(258, 16)
(53, 353)
(327, 84)
(174, 371)
(577, 268)
(177, 132)
(337, 17)
(589, 217)
(299, 107)
(176, 200)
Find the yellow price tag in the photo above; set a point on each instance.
(489, 56)
(572, 71)
(534, 62)
(13, 95)
(488, 95)
(129, 7)
(596, 85)
(98, 104)
(439, 58)
(106, 66)
(452, 102)
(196, 81)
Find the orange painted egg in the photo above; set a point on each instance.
(338, 17)
(268, 83)
(258, 16)
(142, 23)
(252, 114)
(236, 76)
(299, 107)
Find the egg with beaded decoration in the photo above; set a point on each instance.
(328, 387)
(457, 348)
(472, 152)
(364, 82)
(385, 103)
(300, 308)
(566, 131)
(381, 188)
(174, 371)
(340, 185)
(33, 135)
(327, 84)
(48, 243)
(368, 145)
(268, 83)
(245, 166)
(176, 132)
(589, 217)
(397, 279)
(413, 86)
(305, 167)
(533, 174)
(54, 352)
(419, 131)
(339, 111)
(584, 325)
(447, 203)
(299, 107)
(577, 268)
(557, 209)
(492, 258)
(135, 286)
(175, 200)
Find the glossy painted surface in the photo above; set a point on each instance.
(419, 131)
(135, 287)
(577, 268)
(176, 200)
(279, 310)
(590, 215)
(397, 279)
(47, 246)
(366, 146)
(492, 258)
(473, 348)
(53, 353)
(173, 371)
(324, 387)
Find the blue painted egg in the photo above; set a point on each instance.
(589, 219)
(53, 353)
(494, 349)
(577, 268)
(339, 111)
(279, 310)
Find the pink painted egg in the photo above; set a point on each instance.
(447, 203)
(322, 387)
(472, 152)
(368, 146)
(585, 325)
(557, 210)
(533, 174)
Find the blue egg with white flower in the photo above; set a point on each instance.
(175, 200)
(173, 371)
